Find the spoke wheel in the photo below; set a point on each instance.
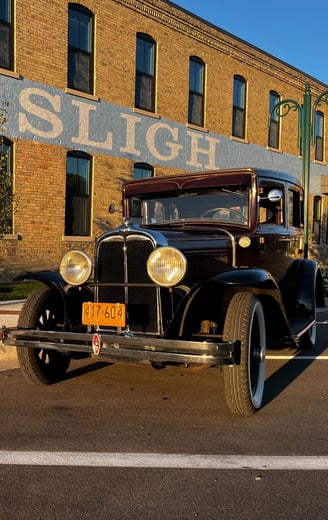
(42, 310)
(244, 383)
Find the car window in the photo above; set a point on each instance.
(271, 212)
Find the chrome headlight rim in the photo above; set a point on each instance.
(160, 269)
(75, 267)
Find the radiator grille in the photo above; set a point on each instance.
(122, 260)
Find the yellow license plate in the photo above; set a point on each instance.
(106, 314)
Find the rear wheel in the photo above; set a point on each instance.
(42, 310)
(244, 383)
(308, 339)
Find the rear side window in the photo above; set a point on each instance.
(294, 208)
(271, 212)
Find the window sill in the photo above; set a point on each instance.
(196, 127)
(81, 94)
(276, 150)
(12, 236)
(323, 163)
(9, 73)
(146, 113)
(75, 238)
(239, 139)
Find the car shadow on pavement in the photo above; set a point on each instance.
(279, 380)
(85, 369)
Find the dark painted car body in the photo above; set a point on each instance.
(251, 244)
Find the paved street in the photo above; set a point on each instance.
(129, 443)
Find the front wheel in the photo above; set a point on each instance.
(244, 383)
(43, 310)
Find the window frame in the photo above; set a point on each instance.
(76, 54)
(8, 27)
(319, 135)
(196, 98)
(76, 202)
(143, 167)
(239, 111)
(145, 76)
(274, 126)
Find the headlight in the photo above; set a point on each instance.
(75, 267)
(166, 266)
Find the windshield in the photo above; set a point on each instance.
(227, 204)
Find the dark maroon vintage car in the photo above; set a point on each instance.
(205, 270)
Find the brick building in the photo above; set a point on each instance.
(97, 92)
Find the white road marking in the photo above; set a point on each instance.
(164, 460)
(295, 357)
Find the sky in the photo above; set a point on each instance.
(294, 31)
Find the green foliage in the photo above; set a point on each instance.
(18, 290)
(8, 200)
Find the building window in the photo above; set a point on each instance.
(6, 186)
(196, 91)
(319, 125)
(80, 49)
(239, 107)
(142, 171)
(6, 34)
(145, 73)
(78, 194)
(274, 128)
(316, 225)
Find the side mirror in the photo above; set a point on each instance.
(275, 195)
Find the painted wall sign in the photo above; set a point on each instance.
(43, 114)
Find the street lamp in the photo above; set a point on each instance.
(306, 137)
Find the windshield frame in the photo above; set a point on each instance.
(222, 205)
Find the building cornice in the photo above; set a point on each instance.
(171, 15)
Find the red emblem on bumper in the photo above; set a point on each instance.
(96, 344)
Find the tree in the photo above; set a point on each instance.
(8, 201)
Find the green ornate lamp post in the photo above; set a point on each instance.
(306, 138)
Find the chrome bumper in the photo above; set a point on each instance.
(126, 349)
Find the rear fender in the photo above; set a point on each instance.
(303, 288)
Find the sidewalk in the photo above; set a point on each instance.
(9, 312)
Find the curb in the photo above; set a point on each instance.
(9, 312)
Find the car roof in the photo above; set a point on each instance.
(203, 179)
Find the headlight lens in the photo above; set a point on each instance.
(75, 267)
(166, 266)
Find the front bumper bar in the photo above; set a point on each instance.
(127, 349)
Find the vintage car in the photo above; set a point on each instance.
(205, 269)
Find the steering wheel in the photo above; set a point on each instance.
(211, 213)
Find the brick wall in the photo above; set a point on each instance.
(41, 56)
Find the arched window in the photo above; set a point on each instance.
(274, 128)
(145, 73)
(142, 171)
(196, 91)
(80, 48)
(6, 34)
(78, 194)
(239, 107)
(6, 186)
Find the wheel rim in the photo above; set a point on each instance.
(257, 353)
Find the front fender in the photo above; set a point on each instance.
(51, 278)
(71, 297)
(210, 299)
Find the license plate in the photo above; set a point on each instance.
(106, 314)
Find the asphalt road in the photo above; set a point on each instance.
(118, 442)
